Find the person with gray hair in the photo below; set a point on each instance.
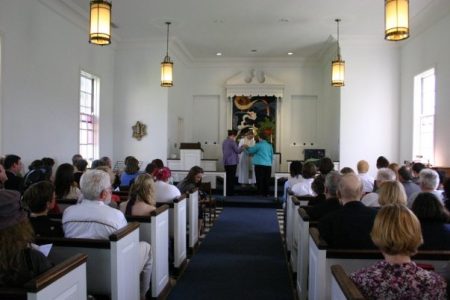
(348, 227)
(92, 218)
(383, 175)
(331, 200)
(428, 182)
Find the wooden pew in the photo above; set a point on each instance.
(177, 230)
(154, 229)
(321, 258)
(113, 265)
(66, 280)
(65, 203)
(342, 287)
(192, 221)
(292, 229)
(289, 221)
(303, 252)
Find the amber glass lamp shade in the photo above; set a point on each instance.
(337, 72)
(167, 72)
(100, 23)
(396, 16)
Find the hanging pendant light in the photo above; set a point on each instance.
(337, 65)
(167, 65)
(100, 23)
(396, 17)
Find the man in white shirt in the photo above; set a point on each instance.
(94, 219)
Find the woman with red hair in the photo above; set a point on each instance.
(164, 191)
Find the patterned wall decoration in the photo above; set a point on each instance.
(257, 113)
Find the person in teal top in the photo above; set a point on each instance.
(262, 160)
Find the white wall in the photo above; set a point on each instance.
(209, 79)
(369, 103)
(139, 97)
(42, 55)
(429, 49)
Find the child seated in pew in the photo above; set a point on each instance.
(40, 198)
(19, 263)
(142, 200)
(396, 232)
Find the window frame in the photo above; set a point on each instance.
(94, 115)
(419, 117)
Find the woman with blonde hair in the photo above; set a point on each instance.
(397, 233)
(391, 192)
(141, 201)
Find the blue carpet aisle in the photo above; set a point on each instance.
(241, 258)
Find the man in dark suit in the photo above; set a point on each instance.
(13, 166)
(350, 226)
(332, 202)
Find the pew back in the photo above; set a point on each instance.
(321, 258)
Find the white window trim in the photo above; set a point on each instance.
(96, 112)
(417, 116)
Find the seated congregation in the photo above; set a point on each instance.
(355, 220)
(76, 211)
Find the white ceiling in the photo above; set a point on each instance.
(273, 28)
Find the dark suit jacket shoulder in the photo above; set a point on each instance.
(14, 182)
(320, 210)
(348, 227)
(46, 227)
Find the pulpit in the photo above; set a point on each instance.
(191, 155)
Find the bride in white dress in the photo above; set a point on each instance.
(245, 169)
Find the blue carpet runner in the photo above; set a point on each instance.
(241, 258)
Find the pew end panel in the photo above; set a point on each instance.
(160, 250)
(179, 224)
(192, 212)
(154, 229)
(66, 280)
(289, 222)
(295, 233)
(303, 254)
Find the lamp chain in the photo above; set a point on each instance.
(338, 47)
(167, 45)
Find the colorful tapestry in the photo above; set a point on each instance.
(256, 113)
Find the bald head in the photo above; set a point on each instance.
(350, 188)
